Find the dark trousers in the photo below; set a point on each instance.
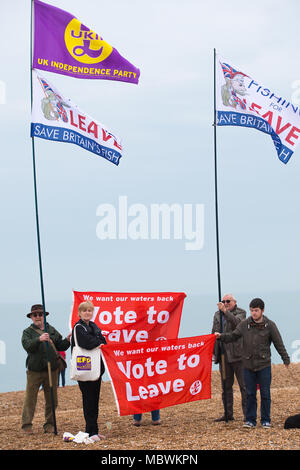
(90, 391)
(233, 369)
(263, 379)
(62, 374)
(154, 414)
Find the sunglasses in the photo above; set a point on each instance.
(226, 301)
(40, 314)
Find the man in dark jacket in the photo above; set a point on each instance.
(231, 315)
(35, 341)
(258, 332)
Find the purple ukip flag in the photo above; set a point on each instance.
(62, 44)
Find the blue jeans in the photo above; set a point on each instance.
(62, 374)
(263, 379)
(155, 416)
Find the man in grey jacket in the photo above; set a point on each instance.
(231, 315)
(258, 332)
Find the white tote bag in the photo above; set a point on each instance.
(85, 364)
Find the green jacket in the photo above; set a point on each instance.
(257, 339)
(37, 350)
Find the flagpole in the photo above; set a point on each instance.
(38, 230)
(222, 364)
(216, 181)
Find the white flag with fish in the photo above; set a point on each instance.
(56, 118)
(243, 101)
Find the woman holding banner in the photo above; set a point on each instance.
(89, 337)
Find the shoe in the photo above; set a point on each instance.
(97, 437)
(27, 430)
(156, 423)
(248, 424)
(48, 429)
(136, 423)
(266, 425)
(222, 418)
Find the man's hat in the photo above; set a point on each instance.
(35, 309)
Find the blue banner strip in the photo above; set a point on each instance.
(229, 118)
(59, 134)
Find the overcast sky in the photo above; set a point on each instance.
(165, 123)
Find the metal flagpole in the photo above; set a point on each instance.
(223, 370)
(216, 181)
(38, 232)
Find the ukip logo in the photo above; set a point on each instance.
(84, 45)
(84, 363)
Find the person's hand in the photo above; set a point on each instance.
(217, 335)
(69, 337)
(221, 307)
(44, 337)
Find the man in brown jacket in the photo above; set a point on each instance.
(232, 315)
(258, 332)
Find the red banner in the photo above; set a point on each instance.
(133, 317)
(155, 375)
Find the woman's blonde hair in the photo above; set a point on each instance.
(85, 305)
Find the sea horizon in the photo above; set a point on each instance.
(196, 320)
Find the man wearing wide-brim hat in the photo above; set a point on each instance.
(41, 348)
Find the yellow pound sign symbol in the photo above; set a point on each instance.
(84, 45)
